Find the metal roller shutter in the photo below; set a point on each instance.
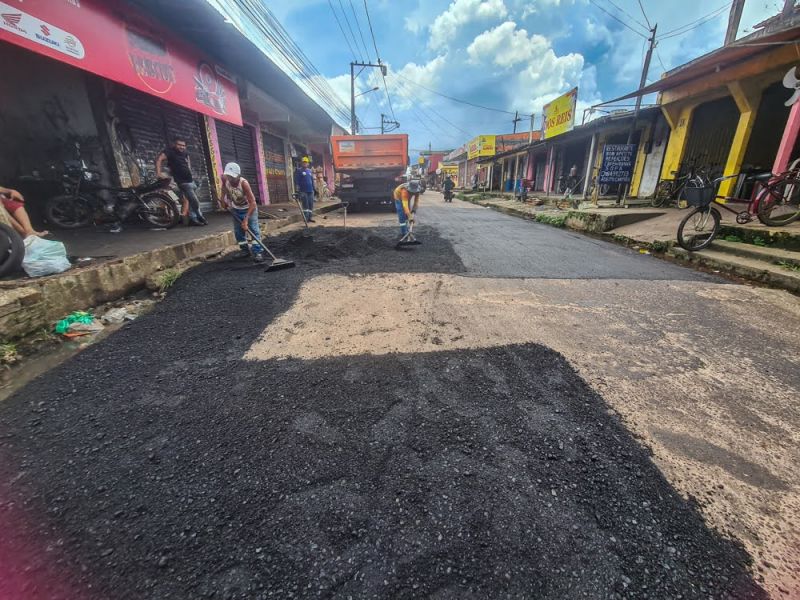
(236, 145)
(148, 125)
(276, 168)
(712, 129)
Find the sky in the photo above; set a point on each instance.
(511, 55)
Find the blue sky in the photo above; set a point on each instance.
(507, 54)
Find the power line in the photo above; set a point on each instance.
(467, 102)
(378, 56)
(693, 24)
(350, 27)
(617, 19)
(644, 14)
(360, 32)
(349, 45)
(627, 14)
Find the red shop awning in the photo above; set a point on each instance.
(113, 40)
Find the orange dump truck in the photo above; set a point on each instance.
(368, 166)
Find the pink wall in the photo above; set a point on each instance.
(788, 140)
(327, 162)
(549, 169)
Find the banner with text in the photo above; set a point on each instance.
(559, 115)
(483, 145)
(113, 40)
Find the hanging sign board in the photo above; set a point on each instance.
(559, 115)
(113, 40)
(483, 145)
(618, 162)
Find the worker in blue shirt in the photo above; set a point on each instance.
(304, 183)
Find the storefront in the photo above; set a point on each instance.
(238, 144)
(275, 167)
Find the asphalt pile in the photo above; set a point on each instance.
(325, 244)
(159, 464)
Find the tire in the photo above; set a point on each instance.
(779, 203)
(69, 212)
(158, 210)
(664, 191)
(12, 250)
(604, 189)
(698, 229)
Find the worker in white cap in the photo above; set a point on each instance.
(238, 199)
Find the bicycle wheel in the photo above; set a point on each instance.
(699, 228)
(664, 191)
(779, 203)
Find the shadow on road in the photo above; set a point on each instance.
(158, 464)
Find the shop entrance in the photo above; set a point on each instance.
(275, 156)
(236, 145)
(711, 134)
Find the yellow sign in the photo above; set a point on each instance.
(451, 170)
(483, 145)
(559, 115)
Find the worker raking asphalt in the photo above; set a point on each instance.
(161, 464)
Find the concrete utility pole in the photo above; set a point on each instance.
(530, 133)
(516, 120)
(353, 65)
(642, 82)
(734, 19)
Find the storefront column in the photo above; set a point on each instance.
(261, 158)
(590, 165)
(788, 140)
(531, 166)
(549, 169)
(216, 158)
(641, 159)
(747, 100)
(679, 118)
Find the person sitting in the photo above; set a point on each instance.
(14, 204)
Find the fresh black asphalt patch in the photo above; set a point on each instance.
(159, 464)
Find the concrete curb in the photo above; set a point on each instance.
(36, 305)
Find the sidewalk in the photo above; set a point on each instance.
(768, 255)
(120, 264)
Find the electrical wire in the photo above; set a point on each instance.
(644, 14)
(616, 18)
(360, 32)
(467, 102)
(378, 56)
(693, 24)
(350, 27)
(627, 14)
(349, 45)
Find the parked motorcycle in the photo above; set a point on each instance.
(83, 205)
(448, 195)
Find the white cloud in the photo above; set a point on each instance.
(341, 86)
(505, 46)
(407, 94)
(446, 26)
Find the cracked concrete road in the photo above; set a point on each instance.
(509, 410)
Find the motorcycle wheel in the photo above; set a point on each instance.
(69, 212)
(158, 209)
(12, 250)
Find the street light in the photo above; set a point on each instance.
(375, 89)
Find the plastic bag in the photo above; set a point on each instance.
(44, 257)
(79, 316)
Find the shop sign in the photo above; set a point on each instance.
(559, 115)
(113, 40)
(617, 165)
(483, 145)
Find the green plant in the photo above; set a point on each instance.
(658, 246)
(732, 238)
(759, 241)
(8, 353)
(554, 220)
(166, 279)
(790, 266)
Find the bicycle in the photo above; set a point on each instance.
(699, 228)
(669, 190)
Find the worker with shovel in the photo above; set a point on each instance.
(406, 202)
(237, 198)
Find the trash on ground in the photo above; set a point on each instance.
(118, 315)
(44, 257)
(85, 259)
(78, 322)
(643, 251)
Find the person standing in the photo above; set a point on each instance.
(238, 199)
(403, 196)
(304, 183)
(180, 167)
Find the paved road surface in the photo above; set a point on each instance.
(471, 418)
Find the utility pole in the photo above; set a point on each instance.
(734, 18)
(642, 82)
(353, 75)
(530, 133)
(516, 120)
(387, 124)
